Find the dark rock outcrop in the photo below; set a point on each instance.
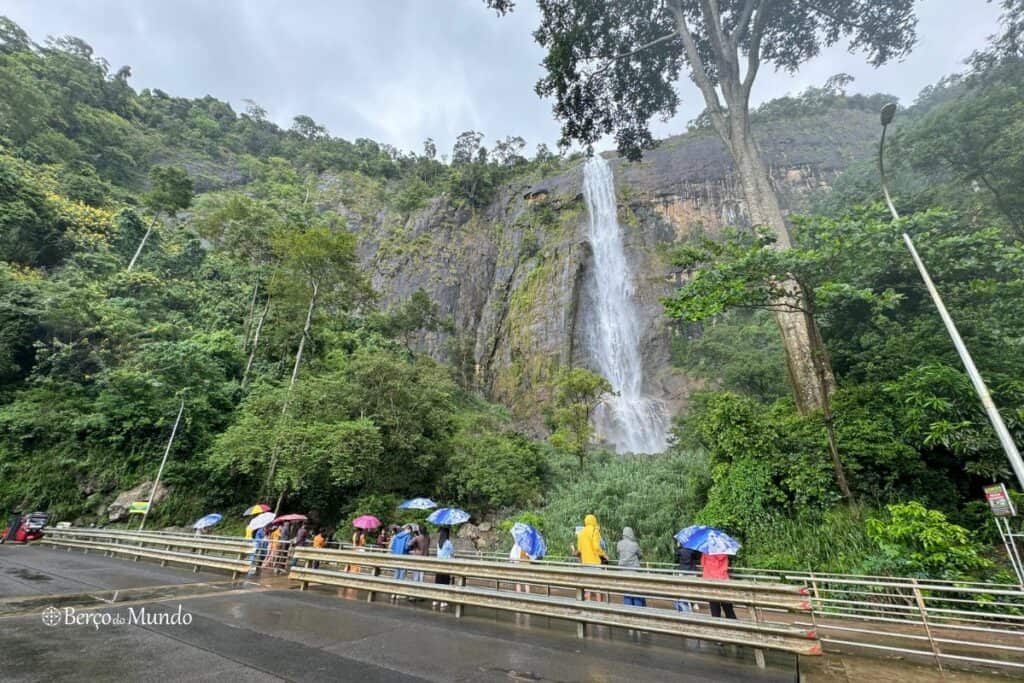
(514, 278)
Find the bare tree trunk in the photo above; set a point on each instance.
(291, 385)
(732, 122)
(131, 264)
(249, 315)
(823, 370)
(810, 371)
(255, 342)
(811, 385)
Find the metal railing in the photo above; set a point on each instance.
(952, 623)
(564, 590)
(211, 552)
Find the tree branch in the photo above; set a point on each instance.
(624, 55)
(754, 51)
(699, 74)
(743, 23)
(728, 66)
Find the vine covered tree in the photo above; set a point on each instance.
(611, 67)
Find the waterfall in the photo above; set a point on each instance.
(627, 419)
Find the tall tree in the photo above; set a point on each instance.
(170, 191)
(577, 392)
(611, 67)
(318, 266)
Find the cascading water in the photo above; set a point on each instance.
(628, 420)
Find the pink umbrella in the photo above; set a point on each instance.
(366, 522)
(290, 518)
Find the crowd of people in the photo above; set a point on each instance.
(271, 552)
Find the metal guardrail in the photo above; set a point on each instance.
(223, 553)
(972, 624)
(376, 572)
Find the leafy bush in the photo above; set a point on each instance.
(493, 469)
(916, 541)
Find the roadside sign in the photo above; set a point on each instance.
(139, 507)
(999, 501)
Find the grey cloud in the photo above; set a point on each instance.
(402, 71)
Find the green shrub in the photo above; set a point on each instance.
(916, 541)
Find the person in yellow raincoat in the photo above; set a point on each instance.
(589, 550)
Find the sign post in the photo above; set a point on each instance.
(1003, 510)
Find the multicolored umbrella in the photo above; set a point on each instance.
(710, 541)
(529, 540)
(418, 504)
(256, 509)
(261, 520)
(290, 518)
(207, 521)
(448, 516)
(366, 522)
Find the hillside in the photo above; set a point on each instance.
(348, 324)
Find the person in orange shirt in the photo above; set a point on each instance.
(319, 541)
(717, 567)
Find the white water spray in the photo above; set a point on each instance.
(628, 420)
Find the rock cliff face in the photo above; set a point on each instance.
(516, 277)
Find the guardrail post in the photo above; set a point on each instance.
(163, 562)
(195, 565)
(758, 652)
(817, 599)
(581, 626)
(459, 581)
(374, 571)
(923, 609)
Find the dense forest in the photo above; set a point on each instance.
(158, 251)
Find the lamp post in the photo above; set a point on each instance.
(1009, 447)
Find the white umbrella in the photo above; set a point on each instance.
(261, 520)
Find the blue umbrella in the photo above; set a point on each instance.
(448, 516)
(418, 504)
(684, 535)
(530, 540)
(711, 541)
(208, 520)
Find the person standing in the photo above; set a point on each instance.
(400, 543)
(629, 556)
(686, 561)
(590, 551)
(274, 537)
(259, 550)
(717, 567)
(302, 536)
(319, 541)
(445, 551)
(421, 547)
(358, 541)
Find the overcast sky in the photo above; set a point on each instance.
(400, 71)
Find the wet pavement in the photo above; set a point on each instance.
(252, 632)
(267, 631)
(27, 570)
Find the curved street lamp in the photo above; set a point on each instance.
(1009, 447)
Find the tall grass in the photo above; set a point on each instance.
(656, 495)
(834, 541)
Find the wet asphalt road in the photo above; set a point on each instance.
(245, 632)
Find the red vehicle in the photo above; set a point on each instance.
(22, 529)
